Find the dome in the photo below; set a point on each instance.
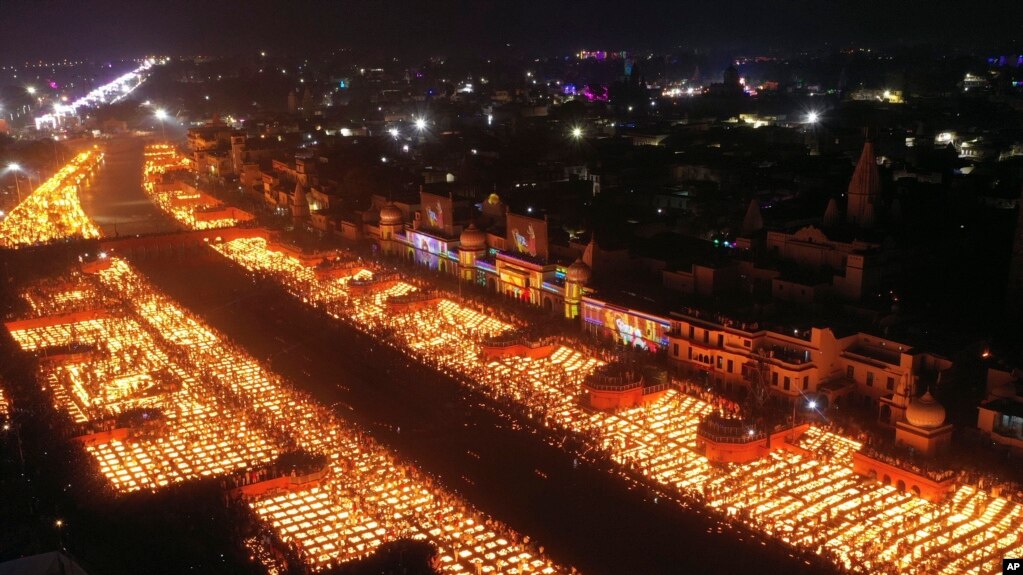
(579, 272)
(472, 238)
(925, 412)
(391, 215)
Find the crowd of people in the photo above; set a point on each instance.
(816, 504)
(228, 402)
(52, 212)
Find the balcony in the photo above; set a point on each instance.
(785, 355)
(1013, 433)
(614, 377)
(873, 355)
(728, 430)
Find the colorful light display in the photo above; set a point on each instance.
(221, 412)
(527, 235)
(812, 501)
(438, 211)
(184, 202)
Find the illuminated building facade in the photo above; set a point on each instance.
(512, 258)
(802, 362)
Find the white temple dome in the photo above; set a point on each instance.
(472, 238)
(579, 272)
(925, 412)
(391, 215)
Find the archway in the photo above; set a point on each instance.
(916, 490)
(901, 485)
(887, 480)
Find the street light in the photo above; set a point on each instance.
(14, 167)
(813, 117)
(811, 404)
(577, 132)
(31, 90)
(161, 115)
(394, 133)
(60, 532)
(420, 124)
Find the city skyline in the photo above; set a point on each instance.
(107, 29)
(453, 288)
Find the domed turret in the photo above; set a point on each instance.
(925, 412)
(390, 215)
(473, 238)
(579, 272)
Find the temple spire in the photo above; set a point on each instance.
(864, 188)
(754, 221)
(831, 215)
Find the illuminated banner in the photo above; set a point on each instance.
(630, 328)
(635, 331)
(428, 250)
(527, 235)
(438, 212)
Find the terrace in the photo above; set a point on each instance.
(53, 211)
(808, 496)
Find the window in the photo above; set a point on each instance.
(890, 384)
(747, 343)
(719, 362)
(706, 336)
(692, 332)
(870, 379)
(721, 340)
(690, 350)
(730, 366)
(850, 372)
(774, 378)
(787, 383)
(747, 373)
(806, 382)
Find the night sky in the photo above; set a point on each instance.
(109, 28)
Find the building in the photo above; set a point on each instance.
(864, 189)
(209, 147)
(794, 362)
(1014, 289)
(923, 428)
(506, 253)
(1000, 415)
(833, 261)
